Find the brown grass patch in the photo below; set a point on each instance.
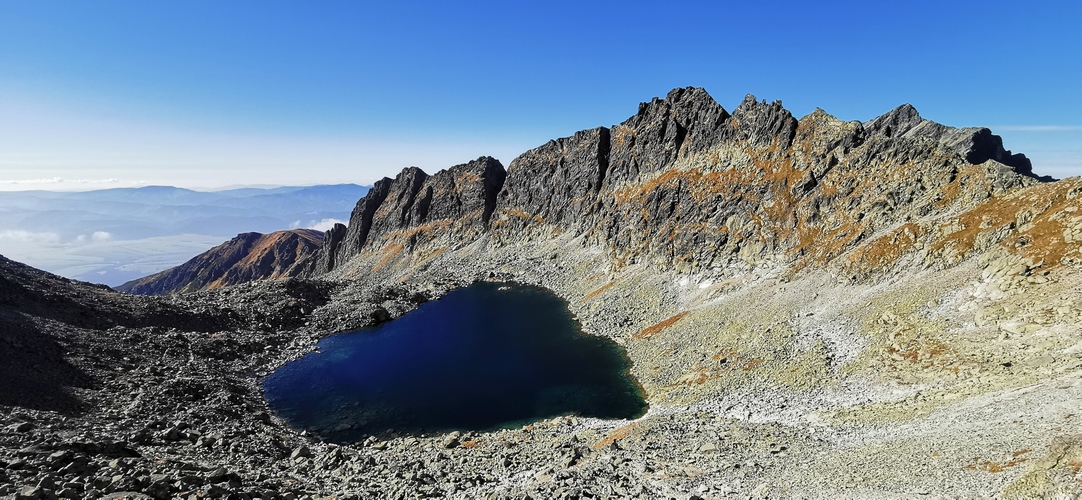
(599, 291)
(523, 215)
(1032, 219)
(615, 435)
(921, 352)
(888, 248)
(996, 467)
(390, 253)
(752, 364)
(657, 328)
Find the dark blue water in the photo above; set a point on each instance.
(487, 356)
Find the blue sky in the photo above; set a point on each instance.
(210, 93)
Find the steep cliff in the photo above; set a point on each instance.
(247, 257)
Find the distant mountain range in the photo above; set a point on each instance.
(112, 236)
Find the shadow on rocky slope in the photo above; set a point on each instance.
(34, 372)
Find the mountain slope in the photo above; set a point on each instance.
(247, 257)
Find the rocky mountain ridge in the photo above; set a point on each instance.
(247, 257)
(685, 185)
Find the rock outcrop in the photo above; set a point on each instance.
(247, 257)
(402, 213)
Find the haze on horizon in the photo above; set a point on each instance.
(207, 94)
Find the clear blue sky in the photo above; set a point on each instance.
(213, 93)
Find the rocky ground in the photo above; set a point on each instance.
(955, 383)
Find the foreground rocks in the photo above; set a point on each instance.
(173, 412)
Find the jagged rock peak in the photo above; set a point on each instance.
(976, 145)
(760, 123)
(895, 123)
(686, 121)
(667, 160)
(463, 196)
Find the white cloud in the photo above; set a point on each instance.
(65, 184)
(51, 180)
(61, 180)
(96, 237)
(295, 224)
(325, 224)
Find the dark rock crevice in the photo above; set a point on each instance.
(494, 177)
(604, 148)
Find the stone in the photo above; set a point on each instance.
(301, 451)
(451, 440)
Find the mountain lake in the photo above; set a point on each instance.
(483, 357)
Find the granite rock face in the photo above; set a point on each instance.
(557, 182)
(414, 207)
(247, 257)
(684, 184)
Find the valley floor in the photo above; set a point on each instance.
(955, 383)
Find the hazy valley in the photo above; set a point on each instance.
(116, 235)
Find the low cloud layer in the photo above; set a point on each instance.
(20, 236)
(96, 237)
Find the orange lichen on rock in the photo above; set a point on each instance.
(620, 134)
(657, 328)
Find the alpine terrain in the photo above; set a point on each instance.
(813, 307)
